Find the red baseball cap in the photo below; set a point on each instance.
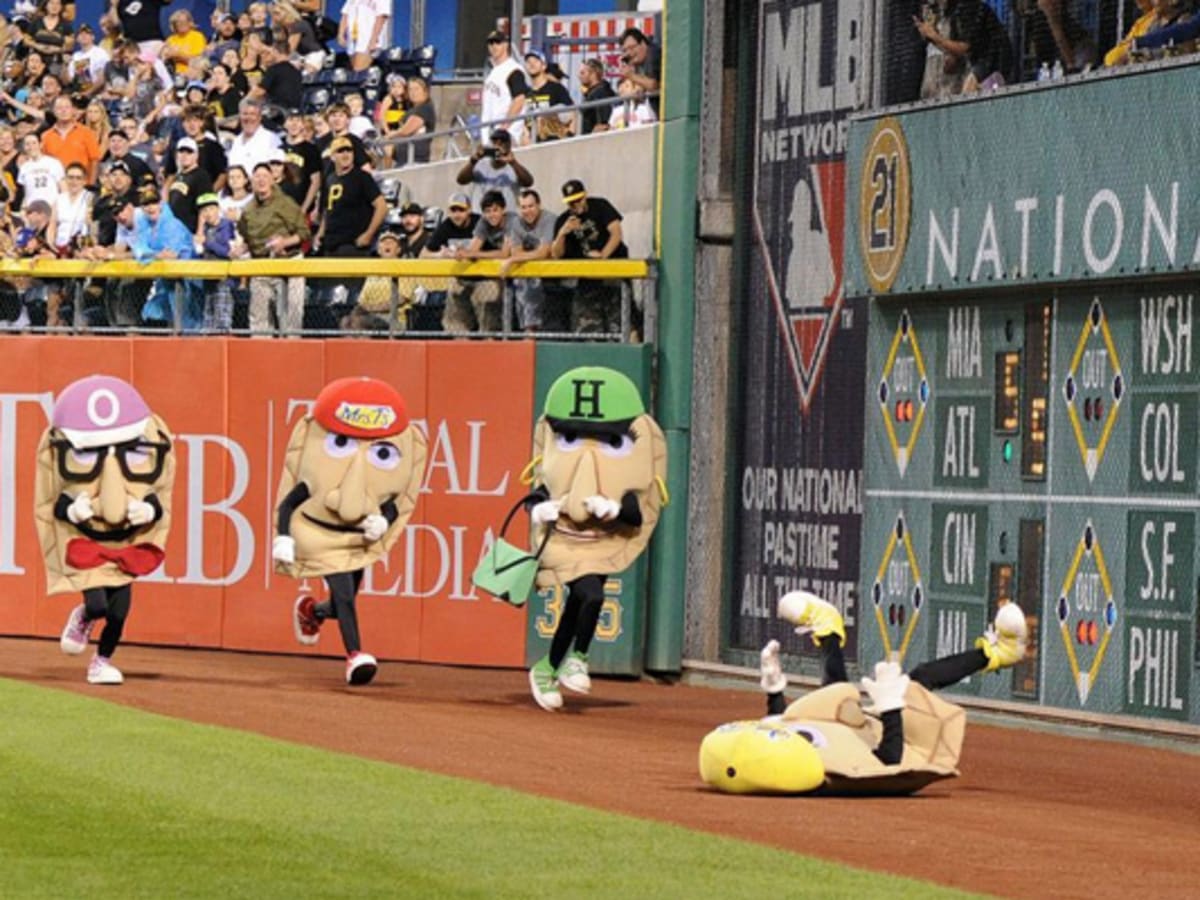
(361, 408)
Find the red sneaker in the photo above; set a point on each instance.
(360, 668)
(305, 622)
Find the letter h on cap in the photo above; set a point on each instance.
(589, 398)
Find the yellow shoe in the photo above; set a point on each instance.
(810, 614)
(1004, 641)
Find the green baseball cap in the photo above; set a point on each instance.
(593, 397)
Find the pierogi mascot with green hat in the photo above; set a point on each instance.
(599, 474)
(828, 742)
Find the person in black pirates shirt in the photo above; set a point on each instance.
(352, 208)
(455, 231)
(190, 183)
(590, 229)
(140, 22)
(281, 84)
(595, 87)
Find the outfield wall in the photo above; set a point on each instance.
(232, 405)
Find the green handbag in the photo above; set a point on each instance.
(507, 572)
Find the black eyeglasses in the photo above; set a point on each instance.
(140, 460)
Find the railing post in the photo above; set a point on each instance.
(180, 300)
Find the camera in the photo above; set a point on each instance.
(627, 59)
(493, 152)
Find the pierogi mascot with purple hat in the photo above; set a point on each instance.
(103, 508)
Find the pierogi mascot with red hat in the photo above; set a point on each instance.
(828, 742)
(103, 507)
(350, 481)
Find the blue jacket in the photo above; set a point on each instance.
(168, 233)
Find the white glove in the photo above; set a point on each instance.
(773, 680)
(545, 512)
(887, 688)
(602, 508)
(80, 509)
(139, 512)
(283, 549)
(373, 527)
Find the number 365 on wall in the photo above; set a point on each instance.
(608, 628)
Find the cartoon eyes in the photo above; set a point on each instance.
(812, 735)
(339, 446)
(84, 458)
(617, 445)
(383, 455)
(614, 445)
(567, 441)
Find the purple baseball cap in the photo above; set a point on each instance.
(100, 410)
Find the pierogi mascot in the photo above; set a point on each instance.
(103, 508)
(599, 470)
(827, 742)
(350, 481)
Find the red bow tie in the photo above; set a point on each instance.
(140, 559)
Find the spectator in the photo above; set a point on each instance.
(151, 81)
(86, 69)
(373, 310)
(641, 62)
(69, 141)
(531, 237)
(272, 226)
(590, 229)
(1119, 55)
(236, 195)
(185, 43)
(473, 304)
(288, 177)
(225, 37)
(123, 298)
(420, 119)
(255, 143)
(39, 175)
(545, 92)
(158, 235)
(224, 97)
(190, 183)
(1053, 34)
(95, 117)
(634, 112)
(495, 168)
(1175, 30)
(364, 30)
(974, 44)
(118, 72)
(32, 241)
(210, 154)
(595, 87)
(119, 150)
(504, 88)
(50, 33)
(360, 124)
(346, 227)
(116, 188)
(73, 212)
(391, 110)
(140, 23)
(455, 231)
(281, 85)
(301, 38)
(304, 153)
(216, 238)
(338, 117)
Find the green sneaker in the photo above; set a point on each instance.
(543, 683)
(573, 673)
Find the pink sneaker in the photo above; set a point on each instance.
(76, 633)
(360, 668)
(102, 671)
(305, 623)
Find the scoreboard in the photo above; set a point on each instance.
(1031, 405)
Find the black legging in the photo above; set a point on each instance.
(112, 605)
(585, 599)
(343, 589)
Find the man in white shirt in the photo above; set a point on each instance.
(88, 60)
(255, 143)
(504, 89)
(41, 175)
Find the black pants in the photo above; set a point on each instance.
(585, 599)
(343, 590)
(112, 605)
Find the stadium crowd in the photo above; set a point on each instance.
(263, 136)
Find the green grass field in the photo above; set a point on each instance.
(97, 799)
